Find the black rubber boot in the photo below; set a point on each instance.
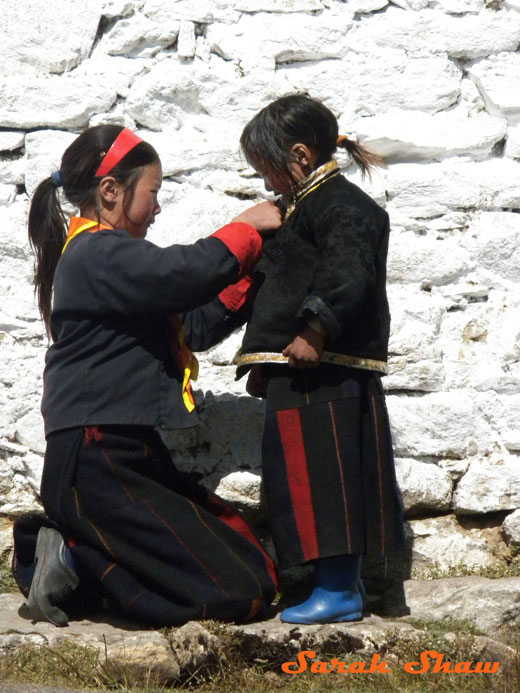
(54, 580)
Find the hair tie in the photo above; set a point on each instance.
(341, 139)
(56, 179)
(124, 142)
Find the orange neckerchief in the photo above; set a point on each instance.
(79, 224)
(177, 338)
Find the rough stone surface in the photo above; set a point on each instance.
(424, 486)
(411, 136)
(489, 604)
(198, 649)
(438, 545)
(59, 36)
(490, 484)
(433, 87)
(511, 528)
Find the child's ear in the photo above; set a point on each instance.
(109, 189)
(301, 154)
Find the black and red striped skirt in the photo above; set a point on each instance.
(159, 547)
(328, 466)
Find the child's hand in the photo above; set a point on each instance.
(256, 383)
(264, 217)
(306, 350)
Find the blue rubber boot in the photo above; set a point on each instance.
(336, 597)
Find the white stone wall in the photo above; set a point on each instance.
(433, 85)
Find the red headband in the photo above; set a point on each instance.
(124, 142)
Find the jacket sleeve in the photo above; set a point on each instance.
(207, 326)
(123, 275)
(347, 243)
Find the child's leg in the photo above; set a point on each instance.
(313, 482)
(329, 476)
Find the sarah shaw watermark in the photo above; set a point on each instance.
(429, 661)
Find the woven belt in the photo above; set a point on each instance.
(327, 357)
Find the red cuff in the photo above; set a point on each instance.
(236, 295)
(244, 242)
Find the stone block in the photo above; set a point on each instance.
(430, 191)
(57, 101)
(189, 213)
(43, 152)
(241, 489)
(497, 78)
(509, 413)
(17, 496)
(10, 141)
(512, 148)
(440, 424)
(511, 528)
(306, 37)
(202, 11)
(408, 135)
(427, 259)
(488, 604)
(498, 248)
(424, 487)
(187, 41)
(444, 544)
(46, 37)
(115, 9)
(218, 445)
(491, 484)
(480, 345)
(428, 82)
(465, 35)
(7, 194)
(288, 7)
(138, 36)
(29, 432)
(170, 94)
(414, 357)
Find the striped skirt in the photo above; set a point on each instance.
(159, 547)
(328, 467)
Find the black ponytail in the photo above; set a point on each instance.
(47, 233)
(47, 222)
(364, 158)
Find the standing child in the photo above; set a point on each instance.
(321, 309)
(121, 313)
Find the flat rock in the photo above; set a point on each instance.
(194, 648)
(489, 604)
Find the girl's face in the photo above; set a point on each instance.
(303, 162)
(139, 210)
(277, 183)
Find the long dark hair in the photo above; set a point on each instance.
(268, 138)
(47, 222)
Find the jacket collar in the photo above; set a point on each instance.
(308, 184)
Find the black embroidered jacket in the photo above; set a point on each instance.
(327, 261)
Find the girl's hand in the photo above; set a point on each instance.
(264, 217)
(306, 350)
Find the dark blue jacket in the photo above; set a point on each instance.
(110, 361)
